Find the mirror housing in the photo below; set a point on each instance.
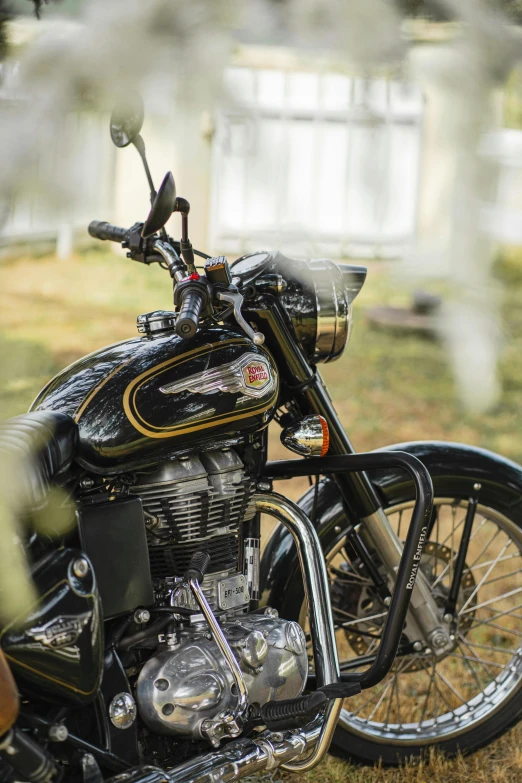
(162, 207)
(127, 120)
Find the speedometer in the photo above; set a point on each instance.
(251, 266)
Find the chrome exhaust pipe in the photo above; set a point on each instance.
(237, 759)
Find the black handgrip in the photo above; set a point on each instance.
(187, 321)
(100, 229)
(199, 562)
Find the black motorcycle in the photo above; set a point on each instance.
(383, 616)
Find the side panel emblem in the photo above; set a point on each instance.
(60, 632)
(250, 376)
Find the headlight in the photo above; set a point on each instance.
(318, 302)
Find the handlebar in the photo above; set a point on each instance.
(100, 229)
(187, 322)
(193, 294)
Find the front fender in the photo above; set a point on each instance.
(454, 469)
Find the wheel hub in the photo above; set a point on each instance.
(364, 602)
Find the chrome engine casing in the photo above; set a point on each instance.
(178, 689)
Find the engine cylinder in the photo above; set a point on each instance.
(191, 503)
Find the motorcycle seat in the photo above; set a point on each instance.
(35, 449)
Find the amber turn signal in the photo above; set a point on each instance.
(308, 436)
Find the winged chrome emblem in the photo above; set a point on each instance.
(61, 631)
(250, 375)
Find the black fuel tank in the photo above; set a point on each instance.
(138, 400)
(58, 651)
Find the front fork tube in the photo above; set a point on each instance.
(359, 497)
(424, 625)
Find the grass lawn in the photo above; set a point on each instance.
(387, 388)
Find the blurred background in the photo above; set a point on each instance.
(382, 133)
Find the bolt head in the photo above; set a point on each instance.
(477, 486)
(448, 618)
(80, 567)
(122, 710)
(58, 733)
(87, 483)
(438, 640)
(337, 529)
(141, 616)
(417, 646)
(263, 486)
(387, 600)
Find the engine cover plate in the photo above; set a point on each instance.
(232, 592)
(179, 689)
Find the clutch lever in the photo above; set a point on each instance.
(234, 297)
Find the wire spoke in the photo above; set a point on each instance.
(491, 601)
(493, 649)
(485, 547)
(450, 686)
(454, 686)
(425, 707)
(454, 557)
(454, 527)
(383, 695)
(486, 563)
(497, 627)
(502, 576)
(348, 614)
(477, 660)
(344, 577)
(471, 669)
(385, 687)
(485, 576)
(443, 696)
(499, 614)
(363, 619)
(401, 512)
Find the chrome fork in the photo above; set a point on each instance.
(425, 626)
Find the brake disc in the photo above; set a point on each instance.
(362, 601)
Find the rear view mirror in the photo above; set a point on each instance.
(162, 207)
(127, 119)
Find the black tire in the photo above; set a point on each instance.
(366, 745)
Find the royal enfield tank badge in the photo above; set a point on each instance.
(257, 374)
(249, 375)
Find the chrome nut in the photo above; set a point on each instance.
(122, 710)
(438, 639)
(141, 616)
(80, 567)
(58, 732)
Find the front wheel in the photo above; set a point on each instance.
(472, 695)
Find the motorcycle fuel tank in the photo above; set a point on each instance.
(143, 398)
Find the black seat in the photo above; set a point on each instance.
(35, 450)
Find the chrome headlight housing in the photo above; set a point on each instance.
(318, 301)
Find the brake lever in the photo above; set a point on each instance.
(235, 298)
